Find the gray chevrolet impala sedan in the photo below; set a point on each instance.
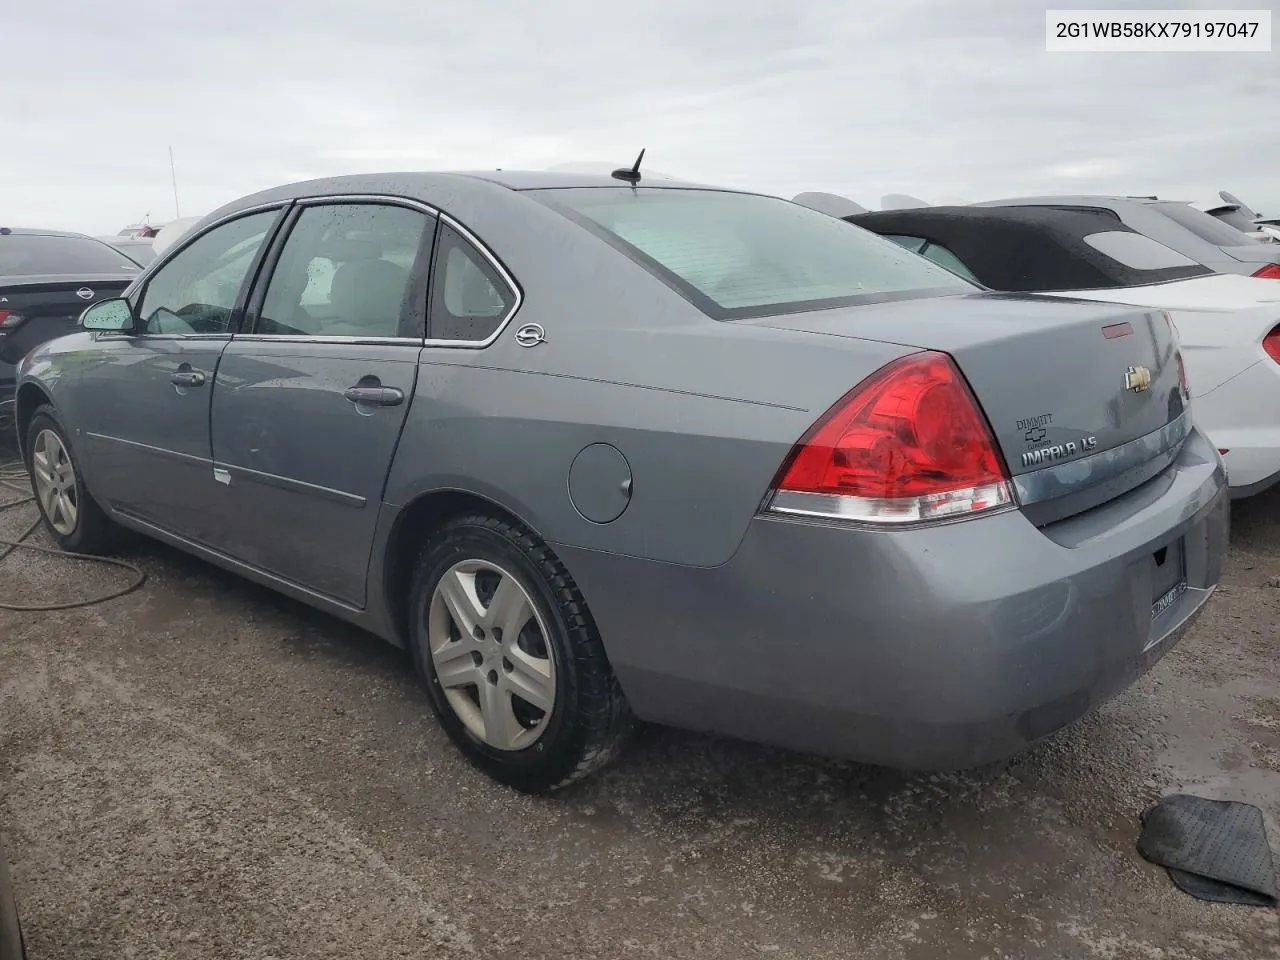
(596, 450)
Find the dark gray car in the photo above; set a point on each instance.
(593, 451)
(1179, 226)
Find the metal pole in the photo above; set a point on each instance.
(173, 175)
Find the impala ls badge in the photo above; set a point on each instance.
(84, 293)
(1060, 451)
(530, 335)
(1137, 379)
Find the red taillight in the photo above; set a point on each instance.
(1270, 272)
(9, 319)
(1271, 344)
(909, 443)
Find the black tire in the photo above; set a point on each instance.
(94, 532)
(590, 718)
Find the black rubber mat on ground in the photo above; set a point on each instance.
(1215, 850)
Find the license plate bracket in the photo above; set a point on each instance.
(1168, 576)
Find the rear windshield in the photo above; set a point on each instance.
(1138, 252)
(140, 250)
(1204, 226)
(737, 255)
(26, 255)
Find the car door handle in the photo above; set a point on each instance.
(379, 396)
(187, 378)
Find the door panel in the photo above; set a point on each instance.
(145, 395)
(309, 403)
(147, 438)
(304, 465)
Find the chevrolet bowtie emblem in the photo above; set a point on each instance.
(1137, 379)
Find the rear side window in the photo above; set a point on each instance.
(914, 244)
(738, 255)
(469, 298)
(948, 260)
(933, 251)
(27, 255)
(1204, 226)
(1136, 251)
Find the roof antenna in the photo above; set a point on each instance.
(632, 175)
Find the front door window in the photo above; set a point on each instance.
(197, 291)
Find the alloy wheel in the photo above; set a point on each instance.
(55, 480)
(491, 656)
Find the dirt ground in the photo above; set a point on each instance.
(205, 769)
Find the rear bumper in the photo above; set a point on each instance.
(1242, 416)
(1241, 491)
(941, 647)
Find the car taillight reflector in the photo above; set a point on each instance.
(9, 319)
(908, 444)
(1270, 272)
(1271, 344)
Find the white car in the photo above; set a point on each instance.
(1228, 325)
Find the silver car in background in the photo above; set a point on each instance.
(594, 449)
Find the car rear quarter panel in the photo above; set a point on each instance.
(703, 411)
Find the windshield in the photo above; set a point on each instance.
(27, 255)
(738, 255)
(1204, 226)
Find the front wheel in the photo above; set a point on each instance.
(69, 511)
(513, 662)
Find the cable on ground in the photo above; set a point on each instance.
(14, 477)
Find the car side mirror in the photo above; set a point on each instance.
(114, 315)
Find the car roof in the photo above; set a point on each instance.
(1024, 248)
(568, 179)
(465, 187)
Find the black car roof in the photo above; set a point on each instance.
(1028, 249)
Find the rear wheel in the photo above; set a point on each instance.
(69, 511)
(513, 662)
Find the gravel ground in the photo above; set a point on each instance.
(204, 769)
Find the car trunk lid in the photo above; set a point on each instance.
(1084, 399)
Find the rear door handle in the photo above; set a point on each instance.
(187, 378)
(378, 396)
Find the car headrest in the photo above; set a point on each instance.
(344, 249)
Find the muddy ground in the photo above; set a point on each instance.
(204, 769)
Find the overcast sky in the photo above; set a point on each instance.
(934, 98)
